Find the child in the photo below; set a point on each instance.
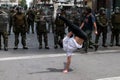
(70, 45)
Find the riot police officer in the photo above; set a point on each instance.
(30, 19)
(102, 24)
(70, 16)
(115, 28)
(59, 30)
(20, 27)
(11, 13)
(41, 28)
(3, 29)
(76, 17)
(50, 20)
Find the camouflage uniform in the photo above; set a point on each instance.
(102, 24)
(59, 31)
(30, 19)
(71, 18)
(20, 27)
(50, 21)
(11, 13)
(76, 17)
(115, 28)
(41, 28)
(3, 29)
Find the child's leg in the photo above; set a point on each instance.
(67, 64)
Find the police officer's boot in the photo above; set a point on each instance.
(55, 46)
(16, 47)
(86, 50)
(6, 44)
(25, 47)
(40, 46)
(91, 45)
(117, 44)
(9, 32)
(111, 44)
(104, 42)
(6, 48)
(86, 43)
(0, 43)
(0, 47)
(60, 43)
(96, 47)
(46, 47)
(104, 45)
(117, 41)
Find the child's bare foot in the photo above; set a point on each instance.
(65, 71)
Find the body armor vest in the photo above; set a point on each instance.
(3, 22)
(116, 18)
(103, 19)
(19, 19)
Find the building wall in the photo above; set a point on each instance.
(107, 3)
(89, 3)
(9, 2)
(101, 3)
(117, 3)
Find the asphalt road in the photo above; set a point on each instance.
(35, 64)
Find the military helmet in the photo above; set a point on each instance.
(58, 11)
(102, 10)
(41, 10)
(18, 8)
(117, 9)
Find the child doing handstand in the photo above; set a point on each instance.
(70, 44)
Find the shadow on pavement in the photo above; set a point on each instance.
(51, 70)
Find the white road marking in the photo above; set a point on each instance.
(31, 57)
(49, 55)
(107, 51)
(111, 78)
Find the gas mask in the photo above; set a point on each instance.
(19, 10)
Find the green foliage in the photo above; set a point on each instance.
(23, 3)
